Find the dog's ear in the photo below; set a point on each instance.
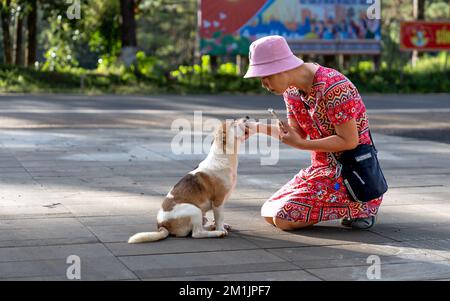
(221, 135)
(224, 137)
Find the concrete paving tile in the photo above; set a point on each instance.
(389, 272)
(151, 266)
(47, 234)
(417, 233)
(32, 253)
(38, 278)
(43, 223)
(416, 216)
(176, 245)
(439, 247)
(212, 269)
(314, 236)
(404, 197)
(100, 268)
(141, 219)
(12, 170)
(354, 255)
(49, 241)
(112, 209)
(294, 275)
(114, 233)
(7, 211)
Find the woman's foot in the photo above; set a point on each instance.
(359, 223)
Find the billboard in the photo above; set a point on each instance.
(227, 27)
(425, 36)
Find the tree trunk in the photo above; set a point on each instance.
(128, 30)
(128, 23)
(32, 31)
(421, 10)
(6, 33)
(19, 40)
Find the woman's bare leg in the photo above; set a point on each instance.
(269, 220)
(286, 225)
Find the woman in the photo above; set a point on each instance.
(324, 105)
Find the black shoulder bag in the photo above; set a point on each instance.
(361, 171)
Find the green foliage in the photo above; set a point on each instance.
(150, 66)
(15, 79)
(166, 60)
(101, 24)
(431, 75)
(168, 30)
(438, 10)
(61, 40)
(201, 78)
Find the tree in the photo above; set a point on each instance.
(6, 20)
(19, 36)
(171, 30)
(32, 32)
(421, 10)
(128, 31)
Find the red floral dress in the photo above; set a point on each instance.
(317, 193)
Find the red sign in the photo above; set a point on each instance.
(425, 36)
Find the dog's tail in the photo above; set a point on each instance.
(149, 236)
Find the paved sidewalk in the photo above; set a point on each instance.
(80, 175)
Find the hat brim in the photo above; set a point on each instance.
(271, 68)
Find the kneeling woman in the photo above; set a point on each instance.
(324, 105)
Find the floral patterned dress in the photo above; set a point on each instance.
(317, 193)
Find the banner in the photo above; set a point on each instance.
(425, 36)
(227, 27)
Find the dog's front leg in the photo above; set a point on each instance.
(218, 218)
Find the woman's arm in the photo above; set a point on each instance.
(346, 138)
(274, 131)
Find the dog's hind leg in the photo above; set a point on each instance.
(197, 227)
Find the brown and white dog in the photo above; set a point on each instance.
(203, 189)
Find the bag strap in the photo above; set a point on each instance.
(373, 142)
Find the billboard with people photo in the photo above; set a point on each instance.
(309, 26)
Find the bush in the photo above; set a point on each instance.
(201, 78)
(431, 75)
(149, 75)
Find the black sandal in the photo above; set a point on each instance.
(359, 223)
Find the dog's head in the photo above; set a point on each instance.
(230, 134)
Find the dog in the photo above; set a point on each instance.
(205, 188)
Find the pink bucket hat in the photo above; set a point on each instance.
(271, 55)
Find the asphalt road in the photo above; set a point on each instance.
(422, 116)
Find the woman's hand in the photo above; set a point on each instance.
(289, 136)
(252, 126)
